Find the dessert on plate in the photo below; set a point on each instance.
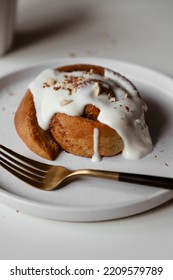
(86, 110)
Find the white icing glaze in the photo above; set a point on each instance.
(126, 115)
(96, 156)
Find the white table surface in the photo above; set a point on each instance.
(134, 31)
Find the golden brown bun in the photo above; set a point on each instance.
(74, 134)
(38, 140)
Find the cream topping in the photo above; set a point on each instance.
(54, 91)
(96, 155)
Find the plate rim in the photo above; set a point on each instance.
(69, 214)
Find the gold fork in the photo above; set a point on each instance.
(50, 177)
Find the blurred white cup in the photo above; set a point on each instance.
(7, 24)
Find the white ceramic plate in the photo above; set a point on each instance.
(92, 199)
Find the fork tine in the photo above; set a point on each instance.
(22, 171)
(34, 163)
(27, 167)
(27, 180)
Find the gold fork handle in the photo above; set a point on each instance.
(97, 173)
(156, 181)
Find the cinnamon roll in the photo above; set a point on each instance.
(86, 110)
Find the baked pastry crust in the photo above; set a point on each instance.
(38, 140)
(73, 134)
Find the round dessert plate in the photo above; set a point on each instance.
(91, 199)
